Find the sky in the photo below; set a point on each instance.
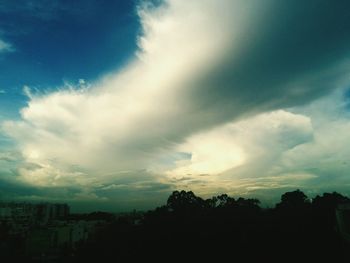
(112, 105)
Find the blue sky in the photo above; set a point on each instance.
(53, 42)
(118, 103)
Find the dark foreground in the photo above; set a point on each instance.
(190, 228)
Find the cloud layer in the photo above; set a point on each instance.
(209, 96)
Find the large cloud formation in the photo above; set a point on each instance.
(205, 74)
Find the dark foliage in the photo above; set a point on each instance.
(190, 228)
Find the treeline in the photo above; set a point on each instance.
(188, 227)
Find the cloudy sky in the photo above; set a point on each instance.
(111, 105)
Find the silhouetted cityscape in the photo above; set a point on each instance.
(186, 227)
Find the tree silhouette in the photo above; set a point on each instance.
(250, 203)
(293, 200)
(329, 201)
(221, 201)
(182, 201)
(324, 207)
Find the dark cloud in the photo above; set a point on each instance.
(12, 189)
(288, 55)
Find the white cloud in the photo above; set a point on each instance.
(204, 70)
(305, 147)
(27, 92)
(5, 47)
(242, 156)
(240, 143)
